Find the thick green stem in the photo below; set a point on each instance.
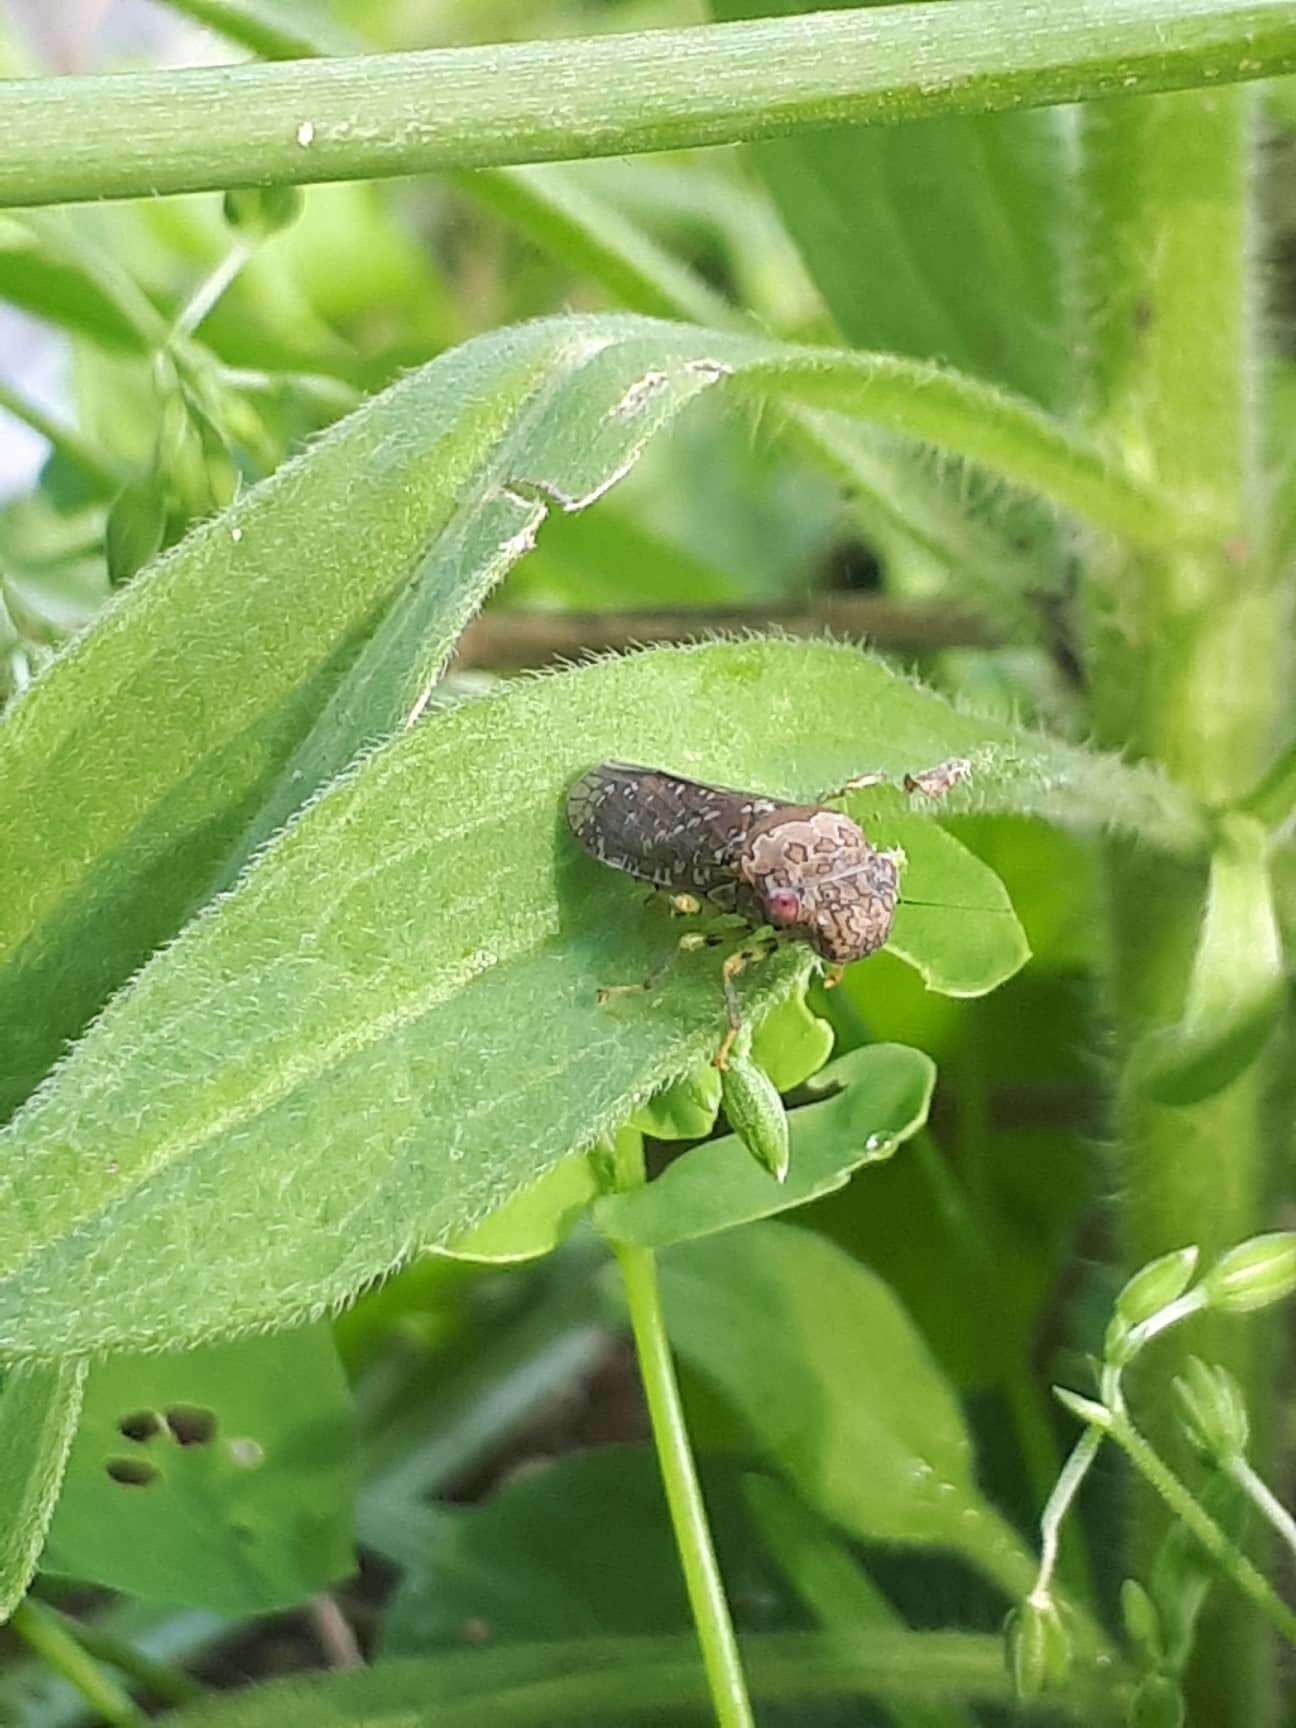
(720, 1656)
(382, 114)
(1185, 659)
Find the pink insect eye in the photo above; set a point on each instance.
(783, 906)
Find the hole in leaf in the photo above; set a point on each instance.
(247, 1454)
(139, 1425)
(191, 1424)
(132, 1472)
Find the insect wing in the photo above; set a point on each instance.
(677, 834)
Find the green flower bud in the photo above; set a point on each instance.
(755, 1112)
(1156, 1285)
(1037, 1648)
(1255, 1274)
(1157, 1703)
(1142, 1622)
(1214, 1411)
(260, 211)
(135, 528)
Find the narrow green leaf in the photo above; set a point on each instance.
(123, 814)
(878, 1097)
(49, 268)
(612, 1680)
(833, 1585)
(392, 1025)
(781, 1322)
(39, 1407)
(942, 238)
(558, 210)
(580, 1546)
(270, 28)
(194, 1479)
(890, 488)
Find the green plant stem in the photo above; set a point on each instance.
(1235, 1565)
(711, 1617)
(209, 291)
(562, 215)
(1185, 664)
(166, 1682)
(367, 116)
(1264, 1500)
(63, 440)
(1067, 1487)
(47, 1633)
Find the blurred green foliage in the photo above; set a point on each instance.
(386, 1041)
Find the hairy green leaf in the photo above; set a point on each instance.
(248, 666)
(940, 238)
(39, 1407)
(252, 662)
(391, 1026)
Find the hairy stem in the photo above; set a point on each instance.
(1235, 1565)
(1185, 659)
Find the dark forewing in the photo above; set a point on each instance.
(675, 833)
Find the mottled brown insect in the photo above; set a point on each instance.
(806, 872)
(804, 869)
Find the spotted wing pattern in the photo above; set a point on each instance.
(675, 833)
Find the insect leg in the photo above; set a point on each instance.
(857, 783)
(604, 994)
(936, 782)
(682, 905)
(758, 949)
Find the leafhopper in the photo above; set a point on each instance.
(790, 872)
